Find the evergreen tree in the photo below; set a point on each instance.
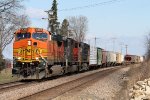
(54, 9)
(64, 27)
(53, 21)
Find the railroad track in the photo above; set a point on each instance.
(13, 85)
(82, 82)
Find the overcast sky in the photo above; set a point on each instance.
(128, 21)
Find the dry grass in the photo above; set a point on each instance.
(6, 76)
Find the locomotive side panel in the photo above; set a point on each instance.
(55, 51)
(71, 51)
(84, 52)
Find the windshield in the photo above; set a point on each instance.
(20, 36)
(40, 36)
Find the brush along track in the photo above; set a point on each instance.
(56, 91)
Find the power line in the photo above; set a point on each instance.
(92, 5)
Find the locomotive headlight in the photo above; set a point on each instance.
(19, 58)
(29, 42)
(37, 58)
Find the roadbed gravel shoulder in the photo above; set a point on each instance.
(104, 89)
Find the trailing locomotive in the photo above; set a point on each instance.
(38, 53)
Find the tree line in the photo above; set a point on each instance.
(74, 27)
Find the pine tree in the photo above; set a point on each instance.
(64, 27)
(54, 9)
(53, 22)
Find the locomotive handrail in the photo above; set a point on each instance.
(43, 58)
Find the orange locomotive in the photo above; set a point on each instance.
(35, 50)
(37, 54)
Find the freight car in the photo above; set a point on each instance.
(111, 58)
(119, 58)
(133, 59)
(96, 57)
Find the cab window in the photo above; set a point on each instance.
(40, 36)
(20, 36)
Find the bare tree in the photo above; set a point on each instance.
(148, 46)
(78, 26)
(7, 6)
(10, 21)
(9, 26)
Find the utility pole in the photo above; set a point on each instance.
(126, 49)
(113, 41)
(95, 40)
(121, 44)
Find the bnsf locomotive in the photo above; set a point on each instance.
(38, 53)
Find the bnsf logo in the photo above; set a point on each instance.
(28, 51)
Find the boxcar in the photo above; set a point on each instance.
(99, 56)
(131, 59)
(119, 58)
(111, 58)
(104, 58)
(122, 59)
(93, 56)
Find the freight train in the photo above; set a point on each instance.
(38, 53)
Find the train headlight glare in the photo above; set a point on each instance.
(37, 58)
(19, 58)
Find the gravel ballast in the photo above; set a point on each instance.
(104, 89)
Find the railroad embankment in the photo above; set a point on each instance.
(141, 89)
(136, 83)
